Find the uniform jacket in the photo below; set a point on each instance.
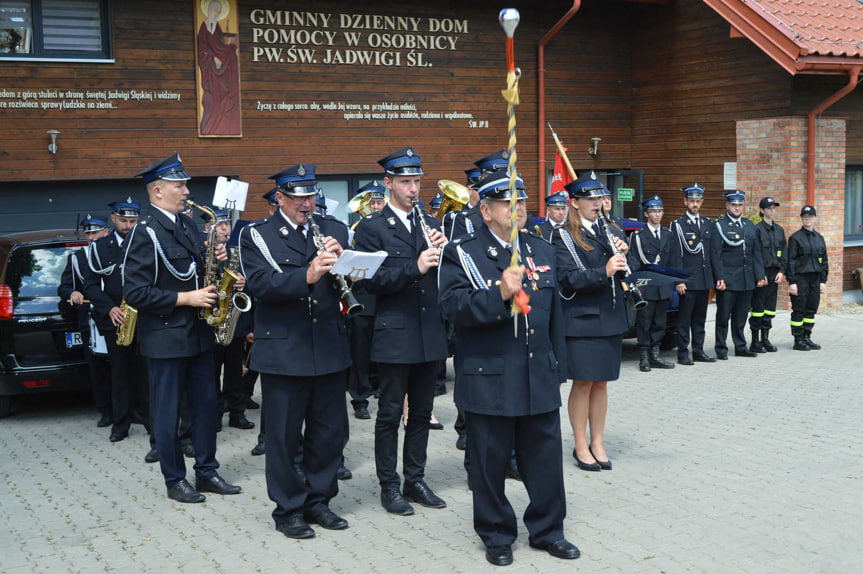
(590, 307)
(73, 280)
(546, 228)
(299, 328)
(165, 331)
(409, 328)
(807, 253)
(740, 266)
(773, 246)
(455, 225)
(687, 236)
(644, 248)
(499, 374)
(103, 281)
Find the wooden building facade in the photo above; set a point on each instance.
(667, 86)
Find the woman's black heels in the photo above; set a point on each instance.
(593, 466)
(603, 464)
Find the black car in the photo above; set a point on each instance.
(41, 347)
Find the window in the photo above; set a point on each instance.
(54, 30)
(854, 203)
(342, 189)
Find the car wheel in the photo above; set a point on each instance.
(5, 406)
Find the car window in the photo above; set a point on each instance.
(36, 271)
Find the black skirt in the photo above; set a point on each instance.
(593, 358)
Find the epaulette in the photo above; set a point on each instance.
(142, 221)
(464, 238)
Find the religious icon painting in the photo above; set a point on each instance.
(217, 56)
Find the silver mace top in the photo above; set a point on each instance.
(508, 19)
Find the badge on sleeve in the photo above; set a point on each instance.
(391, 220)
(492, 250)
(283, 231)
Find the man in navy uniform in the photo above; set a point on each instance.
(161, 279)
(738, 268)
(508, 385)
(807, 278)
(771, 236)
(691, 232)
(301, 351)
(652, 244)
(409, 336)
(555, 211)
(71, 293)
(103, 284)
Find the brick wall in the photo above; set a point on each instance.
(771, 160)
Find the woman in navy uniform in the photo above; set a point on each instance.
(161, 280)
(593, 307)
(509, 382)
(301, 351)
(807, 278)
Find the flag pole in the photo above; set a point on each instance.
(562, 151)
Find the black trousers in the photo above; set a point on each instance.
(691, 317)
(229, 386)
(130, 386)
(537, 442)
(650, 323)
(99, 368)
(764, 302)
(731, 306)
(804, 305)
(288, 403)
(360, 333)
(170, 379)
(417, 381)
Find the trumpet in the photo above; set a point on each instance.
(352, 305)
(627, 286)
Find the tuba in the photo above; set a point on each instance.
(126, 329)
(217, 314)
(455, 197)
(360, 204)
(238, 303)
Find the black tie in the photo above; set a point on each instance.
(595, 228)
(302, 230)
(656, 233)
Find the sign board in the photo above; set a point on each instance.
(729, 175)
(625, 194)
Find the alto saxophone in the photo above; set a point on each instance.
(238, 303)
(126, 329)
(215, 315)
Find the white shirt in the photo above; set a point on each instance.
(119, 239)
(654, 230)
(293, 225)
(403, 216)
(171, 216)
(588, 225)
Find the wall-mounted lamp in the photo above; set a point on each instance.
(53, 146)
(594, 149)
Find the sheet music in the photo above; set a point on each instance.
(230, 194)
(358, 265)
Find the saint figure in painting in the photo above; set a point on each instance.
(220, 74)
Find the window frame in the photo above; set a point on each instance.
(852, 239)
(40, 54)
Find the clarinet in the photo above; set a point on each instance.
(627, 286)
(418, 216)
(352, 305)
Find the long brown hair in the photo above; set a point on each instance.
(573, 225)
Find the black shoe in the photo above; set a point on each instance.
(499, 555)
(560, 549)
(461, 442)
(219, 425)
(756, 346)
(105, 421)
(362, 412)
(152, 456)
(603, 464)
(435, 426)
(394, 503)
(592, 467)
(644, 360)
(810, 344)
(440, 388)
(765, 342)
(343, 473)
(295, 526)
(183, 492)
(658, 362)
(188, 450)
(722, 355)
(117, 436)
(217, 485)
(684, 359)
(327, 519)
(744, 353)
(298, 468)
(513, 472)
(420, 492)
(251, 404)
(259, 449)
(702, 357)
(240, 422)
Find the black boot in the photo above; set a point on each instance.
(756, 346)
(643, 360)
(808, 342)
(656, 360)
(800, 343)
(765, 342)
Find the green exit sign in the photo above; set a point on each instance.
(625, 194)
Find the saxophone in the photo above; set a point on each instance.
(238, 303)
(215, 315)
(126, 329)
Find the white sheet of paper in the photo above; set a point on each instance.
(358, 265)
(230, 194)
(332, 205)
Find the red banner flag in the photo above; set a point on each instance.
(561, 175)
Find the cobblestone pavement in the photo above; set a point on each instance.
(749, 465)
